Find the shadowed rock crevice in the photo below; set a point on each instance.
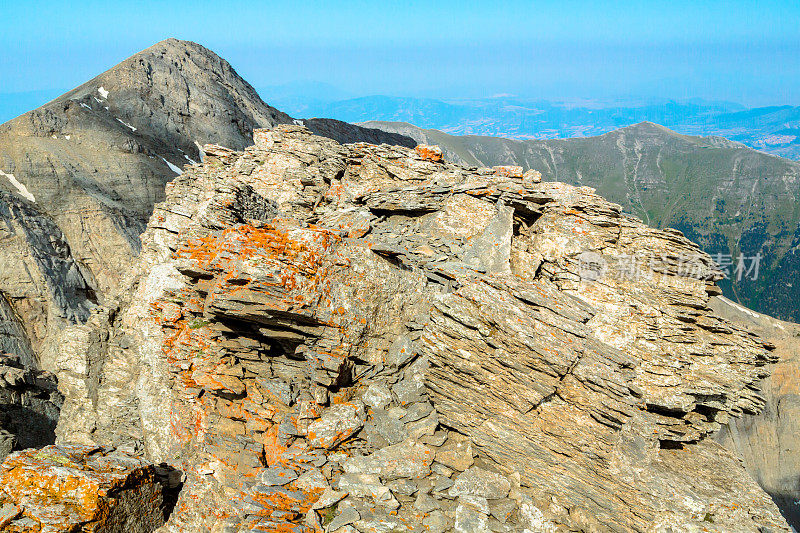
(29, 406)
(790, 508)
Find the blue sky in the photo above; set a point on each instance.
(738, 51)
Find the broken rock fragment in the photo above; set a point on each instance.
(337, 424)
(80, 488)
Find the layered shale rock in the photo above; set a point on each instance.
(732, 200)
(367, 338)
(79, 177)
(79, 488)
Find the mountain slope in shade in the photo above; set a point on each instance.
(83, 172)
(731, 199)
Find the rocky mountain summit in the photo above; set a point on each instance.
(360, 338)
(80, 175)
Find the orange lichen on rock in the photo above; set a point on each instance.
(430, 152)
(80, 488)
(508, 171)
(296, 255)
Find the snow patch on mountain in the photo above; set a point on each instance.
(20, 187)
(172, 167)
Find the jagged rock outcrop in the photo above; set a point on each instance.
(367, 338)
(79, 177)
(81, 488)
(29, 406)
(732, 200)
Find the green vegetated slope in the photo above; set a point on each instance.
(729, 198)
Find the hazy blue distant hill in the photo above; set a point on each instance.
(774, 130)
(302, 96)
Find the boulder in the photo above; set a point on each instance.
(80, 488)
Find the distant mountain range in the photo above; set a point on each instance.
(734, 201)
(79, 176)
(775, 130)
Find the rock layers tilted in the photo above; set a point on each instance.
(732, 200)
(80, 175)
(367, 338)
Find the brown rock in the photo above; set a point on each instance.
(508, 171)
(456, 453)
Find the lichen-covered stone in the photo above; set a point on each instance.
(79, 488)
(405, 460)
(430, 153)
(479, 482)
(336, 424)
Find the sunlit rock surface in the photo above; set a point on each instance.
(79, 488)
(368, 338)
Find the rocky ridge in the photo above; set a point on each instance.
(369, 338)
(732, 200)
(79, 177)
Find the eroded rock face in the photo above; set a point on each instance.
(768, 441)
(29, 406)
(42, 287)
(368, 337)
(79, 488)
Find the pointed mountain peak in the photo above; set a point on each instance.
(179, 92)
(176, 94)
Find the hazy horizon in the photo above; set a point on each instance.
(738, 51)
